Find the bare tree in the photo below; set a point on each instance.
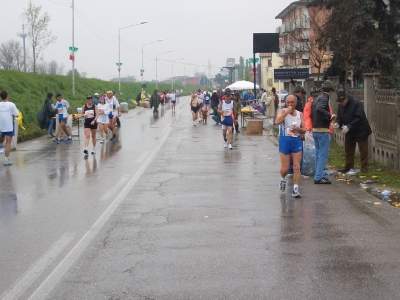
(37, 29)
(52, 67)
(11, 57)
(42, 68)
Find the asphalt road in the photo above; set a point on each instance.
(167, 213)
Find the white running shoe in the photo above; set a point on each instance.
(194, 123)
(225, 144)
(93, 151)
(7, 163)
(230, 146)
(282, 185)
(101, 141)
(296, 194)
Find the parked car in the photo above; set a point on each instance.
(282, 94)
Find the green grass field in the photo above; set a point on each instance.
(28, 92)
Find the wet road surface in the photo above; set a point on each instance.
(168, 213)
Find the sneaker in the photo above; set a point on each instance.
(296, 194)
(282, 185)
(68, 140)
(93, 151)
(225, 144)
(113, 137)
(101, 141)
(194, 123)
(7, 163)
(230, 146)
(323, 180)
(49, 136)
(304, 176)
(57, 140)
(86, 151)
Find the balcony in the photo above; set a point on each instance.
(278, 29)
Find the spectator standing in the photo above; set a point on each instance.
(321, 119)
(263, 99)
(50, 112)
(238, 108)
(8, 111)
(96, 98)
(353, 121)
(155, 102)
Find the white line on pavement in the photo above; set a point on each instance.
(48, 284)
(34, 272)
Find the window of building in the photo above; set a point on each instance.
(305, 62)
(269, 63)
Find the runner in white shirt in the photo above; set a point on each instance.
(115, 112)
(200, 96)
(62, 107)
(8, 111)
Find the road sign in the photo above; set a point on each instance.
(119, 69)
(251, 60)
(119, 64)
(75, 49)
(141, 71)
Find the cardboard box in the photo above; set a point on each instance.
(254, 126)
(146, 104)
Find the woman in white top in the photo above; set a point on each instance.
(291, 125)
(102, 120)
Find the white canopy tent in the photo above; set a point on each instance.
(242, 85)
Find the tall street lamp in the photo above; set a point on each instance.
(119, 64)
(142, 70)
(172, 88)
(156, 66)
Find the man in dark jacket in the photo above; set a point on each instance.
(351, 118)
(321, 119)
(155, 102)
(50, 112)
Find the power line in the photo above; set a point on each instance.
(94, 25)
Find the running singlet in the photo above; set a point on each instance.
(227, 109)
(62, 109)
(285, 128)
(90, 114)
(112, 104)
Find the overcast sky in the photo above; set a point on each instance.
(199, 31)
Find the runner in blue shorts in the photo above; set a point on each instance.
(291, 125)
(227, 111)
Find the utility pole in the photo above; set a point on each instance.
(73, 49)
(23, 35)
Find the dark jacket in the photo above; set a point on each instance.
(353, 116)
(214, 100)
(154, 100)
(320, 116)
(49, 112)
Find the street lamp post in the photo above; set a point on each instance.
(142, 70)
(119, 64)
(172, 88)
(156, 66)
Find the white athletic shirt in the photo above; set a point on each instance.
(104, 110)
(112, 104)
(226, 107)
(8, 111)
(172, 96)
(62, 107)
(285, 128)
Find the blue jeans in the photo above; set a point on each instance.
(50, 127)
(264, 106)
(216, 119)
(322, 144)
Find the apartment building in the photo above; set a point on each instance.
(296, 35)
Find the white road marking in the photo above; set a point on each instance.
(49, 283)
(37, 268)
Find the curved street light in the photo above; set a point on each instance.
(156, 65)
(142, 70)
(119, 64)
(172, 88)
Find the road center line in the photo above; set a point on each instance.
(48, 284)
(36, 270)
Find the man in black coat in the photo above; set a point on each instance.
(351, 118)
